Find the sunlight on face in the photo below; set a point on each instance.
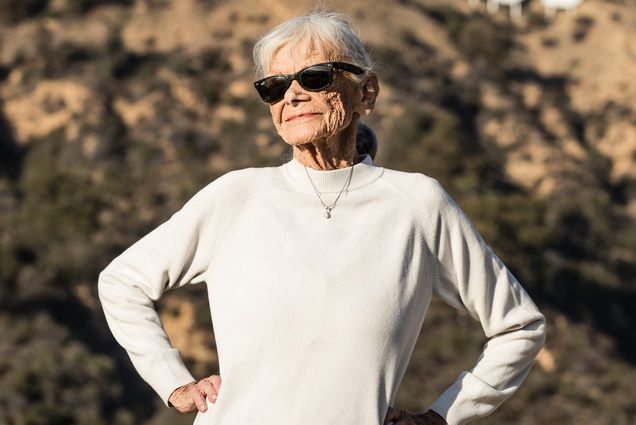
(307, 117)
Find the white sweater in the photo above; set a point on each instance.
(315, 319)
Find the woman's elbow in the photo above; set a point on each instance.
(109, 288)
(543, 330)
(104, 285)
(536, 332)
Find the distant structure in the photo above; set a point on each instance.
(550, 6)
(513, 5)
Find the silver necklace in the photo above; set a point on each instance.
(328, 208)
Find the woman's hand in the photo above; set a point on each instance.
(191, 397)
(402, 417)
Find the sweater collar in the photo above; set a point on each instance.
(329, 181)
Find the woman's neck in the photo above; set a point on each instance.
(330, 154)
(321, 158)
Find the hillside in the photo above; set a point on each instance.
(114, 113)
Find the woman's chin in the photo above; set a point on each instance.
(303, 139)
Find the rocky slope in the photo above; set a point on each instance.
(113, 113)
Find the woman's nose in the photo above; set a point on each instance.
(295, 93)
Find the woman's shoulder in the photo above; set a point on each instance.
(233, 186)
(417, 186)
(426, 194)
(244, 177)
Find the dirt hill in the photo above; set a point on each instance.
(113, 113)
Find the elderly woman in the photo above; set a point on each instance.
(320, 271)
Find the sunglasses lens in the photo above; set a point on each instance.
(273, 88)
(315, 78)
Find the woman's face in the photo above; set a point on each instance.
(304, 116)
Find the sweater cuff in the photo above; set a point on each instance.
(468, 398)
(166, 374)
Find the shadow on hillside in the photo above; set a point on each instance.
(91, 329)
(554, 91)
(10, 153)
(610, 310)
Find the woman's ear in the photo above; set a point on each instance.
(370, 91)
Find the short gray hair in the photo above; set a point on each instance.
(331, 33)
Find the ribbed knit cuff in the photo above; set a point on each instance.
(468, 398)
(167, 373)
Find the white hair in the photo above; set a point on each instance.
(332, 34)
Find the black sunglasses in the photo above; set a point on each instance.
(313, 78)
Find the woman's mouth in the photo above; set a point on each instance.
(303, 116)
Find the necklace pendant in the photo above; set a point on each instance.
(328, 209)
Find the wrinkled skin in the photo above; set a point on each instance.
(320, 126)
(191, 397)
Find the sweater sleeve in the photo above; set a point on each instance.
(173, 254)
(471, 277)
